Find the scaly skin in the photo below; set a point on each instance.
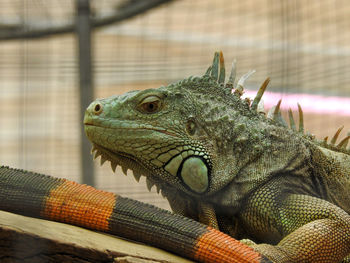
(61, 200)
(220, 161)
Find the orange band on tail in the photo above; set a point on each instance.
(215, 246)
(80, 205)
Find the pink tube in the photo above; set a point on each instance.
(310, 103)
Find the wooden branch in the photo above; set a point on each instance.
(26, 239)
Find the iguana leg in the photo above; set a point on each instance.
(207, 215)
(199, 211)
(312, 229)
(323, 240)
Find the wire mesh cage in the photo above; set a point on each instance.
(302, 45)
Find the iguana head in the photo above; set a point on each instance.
(195, 136)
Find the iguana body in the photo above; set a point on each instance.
(218, 160)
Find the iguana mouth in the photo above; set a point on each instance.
(126, 162)
(143, 127)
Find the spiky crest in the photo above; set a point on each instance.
(259, 95)
(341, 146)
(217, 72)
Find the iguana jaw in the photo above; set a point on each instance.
(145, 149)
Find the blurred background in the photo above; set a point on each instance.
(56, 56)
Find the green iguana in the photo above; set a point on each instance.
(218, 160)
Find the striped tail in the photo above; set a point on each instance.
(46, 197)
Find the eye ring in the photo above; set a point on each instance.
(150, 104)
(97, 108)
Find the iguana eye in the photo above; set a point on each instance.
(150, 104)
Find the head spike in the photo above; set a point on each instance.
(335, 137)
(325, 139)
(277, 116)
(276, 112)
(301, 119)
(232, 78)
(240, 84)
(215, 66)
(344, 143)
(291, 120)
(261, 108)
(260, 94)
(270, 112)
(208, 71)
(222, 68)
